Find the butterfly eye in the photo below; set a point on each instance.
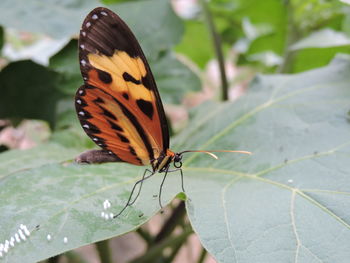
(177, 158)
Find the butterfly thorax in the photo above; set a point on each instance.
(162, 163)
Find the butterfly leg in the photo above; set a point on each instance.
(161, 185)
(128, 203)
(182, 180)
(144, 177)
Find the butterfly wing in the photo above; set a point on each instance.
(119, 106)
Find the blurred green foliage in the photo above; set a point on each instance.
(273, 26)
(28, 91)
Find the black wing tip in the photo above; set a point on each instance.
(99, 9)
(103, 32)
(99, 12)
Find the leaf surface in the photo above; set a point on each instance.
(288, 202)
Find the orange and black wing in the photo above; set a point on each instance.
(119, 106)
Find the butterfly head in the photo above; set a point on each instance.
(177, 160)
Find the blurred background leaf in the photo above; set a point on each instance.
(321, 39)
(45, 17)
(28, 91)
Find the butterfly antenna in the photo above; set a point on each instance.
(213, 155)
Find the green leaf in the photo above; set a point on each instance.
(19, 160)
(309, 15)
(321, 39)
(66, 63)
(68, 131)
(58, 19)
(259, 12)
(285, 203)
(28, 90)
(64, 18)
(154, 24)
(289, 201)
(310, 58)
(196, 43)
(173, 78)
(65, 200)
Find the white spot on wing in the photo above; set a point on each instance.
(82, 46)
(104, 13)
(80, 92)
(95, 139)
(79, 101)
(88, 24)
(81, 113)
(83, 33)
(86, 126)
(94, 16)
(83, 62)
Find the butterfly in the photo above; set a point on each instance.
(119, 106)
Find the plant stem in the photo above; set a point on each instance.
(155, 252)
(293, 35)
(175, 250)
(74, 257)
(218, 49)
(171, 223)
(202, 256)
(103, 251)
(145, 236)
